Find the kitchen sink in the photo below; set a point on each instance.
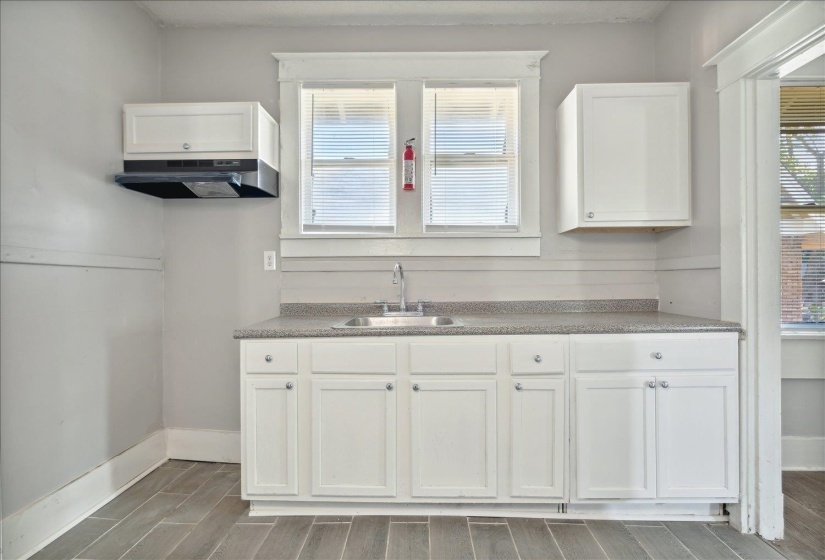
(398, 322)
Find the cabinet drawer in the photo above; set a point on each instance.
(603, 354)
(536, 357)
(200, 127)
(348, 357)
(468, 358)
(271, 357)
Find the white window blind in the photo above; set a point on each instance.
(802, 176)
(471, 157)
(348, 158)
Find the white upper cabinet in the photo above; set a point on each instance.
(199, 131)
(624, 157)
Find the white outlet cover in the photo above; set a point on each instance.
(269, 260)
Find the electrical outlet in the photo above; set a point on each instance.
(269, 260)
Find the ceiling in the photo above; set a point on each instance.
(226, 13)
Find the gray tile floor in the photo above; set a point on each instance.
(188, 510)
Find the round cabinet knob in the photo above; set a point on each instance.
(665, 384)
(538, 358)
(518, 387)
(289, 385)
(416, 387)
(186, 146)
(268, 358)
(651, 384)
(591, 215)
(658, 355)
(389, 386)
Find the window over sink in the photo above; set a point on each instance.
(345, 118)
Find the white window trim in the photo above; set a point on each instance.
(409, 71)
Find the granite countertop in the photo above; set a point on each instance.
(500, 318)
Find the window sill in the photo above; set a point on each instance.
(803, 333)
(421, 245)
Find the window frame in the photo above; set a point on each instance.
(409, 71)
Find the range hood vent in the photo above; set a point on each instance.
(195, 178)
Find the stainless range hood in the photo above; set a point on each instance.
(200, 178)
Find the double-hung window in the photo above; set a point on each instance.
(471, 157)
(344, 120)
(348, 158)
(802, 176)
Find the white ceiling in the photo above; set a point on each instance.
(216, 13)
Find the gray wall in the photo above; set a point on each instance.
(201, 359)
(688, 34)
(81, 365)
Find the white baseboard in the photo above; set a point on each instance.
(203, 445)
(803, 453)
(32, 528)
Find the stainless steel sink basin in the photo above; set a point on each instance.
(397, 322)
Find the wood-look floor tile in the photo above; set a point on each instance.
(325, 542)
(235, 490)
(138, 494)
(450, 538)
(201, 501)
(563, 521)
(231, 467)
(700, 541)
(134, 527)
(616, 540)
(241, 543)
(805, 489)
(660, 543)
(576, 542)
(644, 523)
(492, 541)
(408, 518)
(408, 541)
(285, 540)
(179, 464)
(479, 519)
(265, 519)
(160, 541)
(208, 534)
(533, 539)
(192, 479)
(333, 518)
(75, 539)
(367, 538)
(804, 533)
(748, 547)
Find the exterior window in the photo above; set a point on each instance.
(348, 159)
(470, 157)
(802, 159)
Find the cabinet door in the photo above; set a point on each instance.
(271, 436)
(537, 435)
(635, 147)
(453, 438)
(697, 438)
(203, 127)
(615, 437)
(353, 438)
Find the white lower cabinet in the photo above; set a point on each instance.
(697, 439)
(615, 437)
(353, 438)
(453, 438)
(271, 436)
(537, 438)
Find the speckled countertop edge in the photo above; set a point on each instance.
(616, 321)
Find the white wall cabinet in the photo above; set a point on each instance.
(271, 436)
(523, 422)
(453, 449)
(199, 131)
(353, 437)
(624, 157)
(537, 437)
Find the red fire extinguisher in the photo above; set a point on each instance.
(409, 165)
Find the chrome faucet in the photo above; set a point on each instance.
(398, 272)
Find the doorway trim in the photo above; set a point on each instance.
(748, 87)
